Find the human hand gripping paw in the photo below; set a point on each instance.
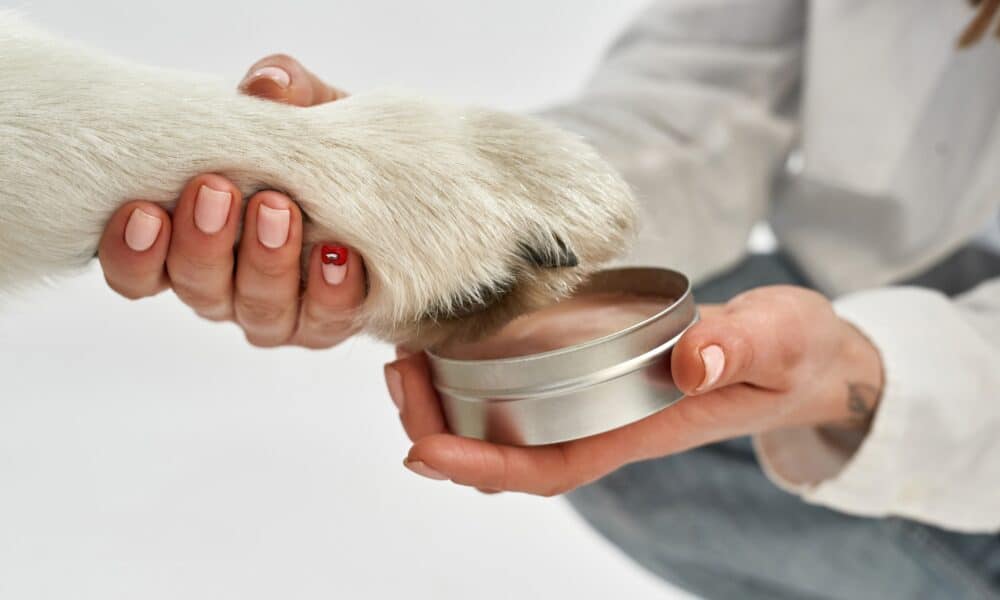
(466, 216)
(145, 249)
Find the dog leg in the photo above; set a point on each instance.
(466, 217)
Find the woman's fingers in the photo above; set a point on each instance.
(437, 454)
(266, 297)
(200, 259)
(283, 79)
(144, 250)
(260, 290)
(713, 353)
(133, 250)
(539, 470)
(542, 470)
(335, 279)
(555, 469)
(268, 301)
(758, 338)
(409, 382)
(335, 288)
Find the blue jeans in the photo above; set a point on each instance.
(709, 521)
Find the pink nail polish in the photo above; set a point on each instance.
(272, 226)
(141, 230)
(279, 76)
(423, 469)
(334, 259)
(394, 381)
(714, 361)
(211, 209)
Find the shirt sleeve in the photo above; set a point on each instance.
(694, 104)
(933, 451)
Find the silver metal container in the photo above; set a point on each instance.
(579, 390)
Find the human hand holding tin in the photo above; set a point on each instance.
(771, 358)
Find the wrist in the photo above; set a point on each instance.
(858, 382)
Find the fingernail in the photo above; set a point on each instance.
(141, 230)
(211, 209)
(421, 468)
(334, 263)
(277, 75)
(394, 381)
(714, 361)
(402, 352)
(267, 82)
(272, 226)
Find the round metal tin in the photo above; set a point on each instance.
(579, 390)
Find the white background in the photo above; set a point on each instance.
(145, 454)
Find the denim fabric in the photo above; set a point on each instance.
(709, 521)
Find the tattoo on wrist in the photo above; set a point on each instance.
(861, 401)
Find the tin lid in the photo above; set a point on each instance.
(587, 363)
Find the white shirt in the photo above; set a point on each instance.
(872, 146)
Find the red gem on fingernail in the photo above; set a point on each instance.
(334, 255)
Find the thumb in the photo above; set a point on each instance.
(713, 353)
(283, 79)
(759, 338)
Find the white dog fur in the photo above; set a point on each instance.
(456, 211)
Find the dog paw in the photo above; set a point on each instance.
(466, 217)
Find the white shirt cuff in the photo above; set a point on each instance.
(919, 459)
